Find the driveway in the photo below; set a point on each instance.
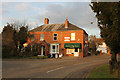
(67, 67)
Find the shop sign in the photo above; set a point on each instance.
(66, 38)
(72, 45)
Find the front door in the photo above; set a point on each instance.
(43, 50)
(76, 52)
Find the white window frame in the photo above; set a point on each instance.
(72, 36)
(54, 36)
(41, 38)
(51, 50)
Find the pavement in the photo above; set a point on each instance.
(67, 67)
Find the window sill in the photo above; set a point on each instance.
(41, 40)
(72, 40)
(55, 40)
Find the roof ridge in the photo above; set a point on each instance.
(53, 23)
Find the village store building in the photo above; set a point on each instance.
(64, 38)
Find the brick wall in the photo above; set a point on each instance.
(80, 37)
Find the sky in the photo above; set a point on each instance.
(34, 13)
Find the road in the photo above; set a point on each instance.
(67, 67)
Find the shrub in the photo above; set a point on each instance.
(49, 55)
(45, 57)
(7, 51)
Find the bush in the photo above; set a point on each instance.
(7, 51)
(45, 57)
(32, 51)
(49, 55)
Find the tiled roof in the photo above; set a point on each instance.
(55, 27)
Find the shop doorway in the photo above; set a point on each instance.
(76, 52)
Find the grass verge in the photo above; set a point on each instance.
(102, 72)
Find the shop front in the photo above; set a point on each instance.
(73, 49)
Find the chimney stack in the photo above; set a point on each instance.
(66, 23)
(46, 21)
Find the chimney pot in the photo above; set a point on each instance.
(46, 21)
(66, 23)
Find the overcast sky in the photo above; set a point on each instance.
(33, 13)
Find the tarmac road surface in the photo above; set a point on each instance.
(67, 67)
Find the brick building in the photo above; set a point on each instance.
(65, 38)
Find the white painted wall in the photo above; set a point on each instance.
(102, 48)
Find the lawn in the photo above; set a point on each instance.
(102, 72)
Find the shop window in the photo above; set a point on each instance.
(41, 37)
(76, 49)
(70, 51)
(55, 37)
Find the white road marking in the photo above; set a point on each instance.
(54, 69)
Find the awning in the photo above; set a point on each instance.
(72, 45)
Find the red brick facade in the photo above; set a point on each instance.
(80, 37)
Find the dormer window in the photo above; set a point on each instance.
(55, 37)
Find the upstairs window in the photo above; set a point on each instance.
(72, 36)
(32, 37)
(55, 37)
(41, 37)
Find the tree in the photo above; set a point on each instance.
(92, 44)
(20, 37)
(108, 15)
(10, 38)
(16, 39)
(7, 41)
(23, 35)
